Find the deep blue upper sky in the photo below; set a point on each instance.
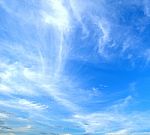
(74, 67)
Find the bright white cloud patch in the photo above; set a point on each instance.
(56, 14)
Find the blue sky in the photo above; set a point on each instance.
(74, 67)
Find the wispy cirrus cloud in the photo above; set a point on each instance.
(38, 43)
(22, 104)
(35, 68)
(112, 123)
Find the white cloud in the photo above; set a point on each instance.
(31, 105)
(105, 37)
(36, 64)
(96, 122)
(22, 129)
(4, 115)
(122, 104)
(13, 80)
(66, 134)
(56, 14)
(78, 13)
(113, 120)
(4, 89)
(147, 7)
(120, 132)
(7, 134)
(112, 123)
(59, 97)
(23, 104)
(147, 55)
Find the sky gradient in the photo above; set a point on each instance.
(74, 67)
